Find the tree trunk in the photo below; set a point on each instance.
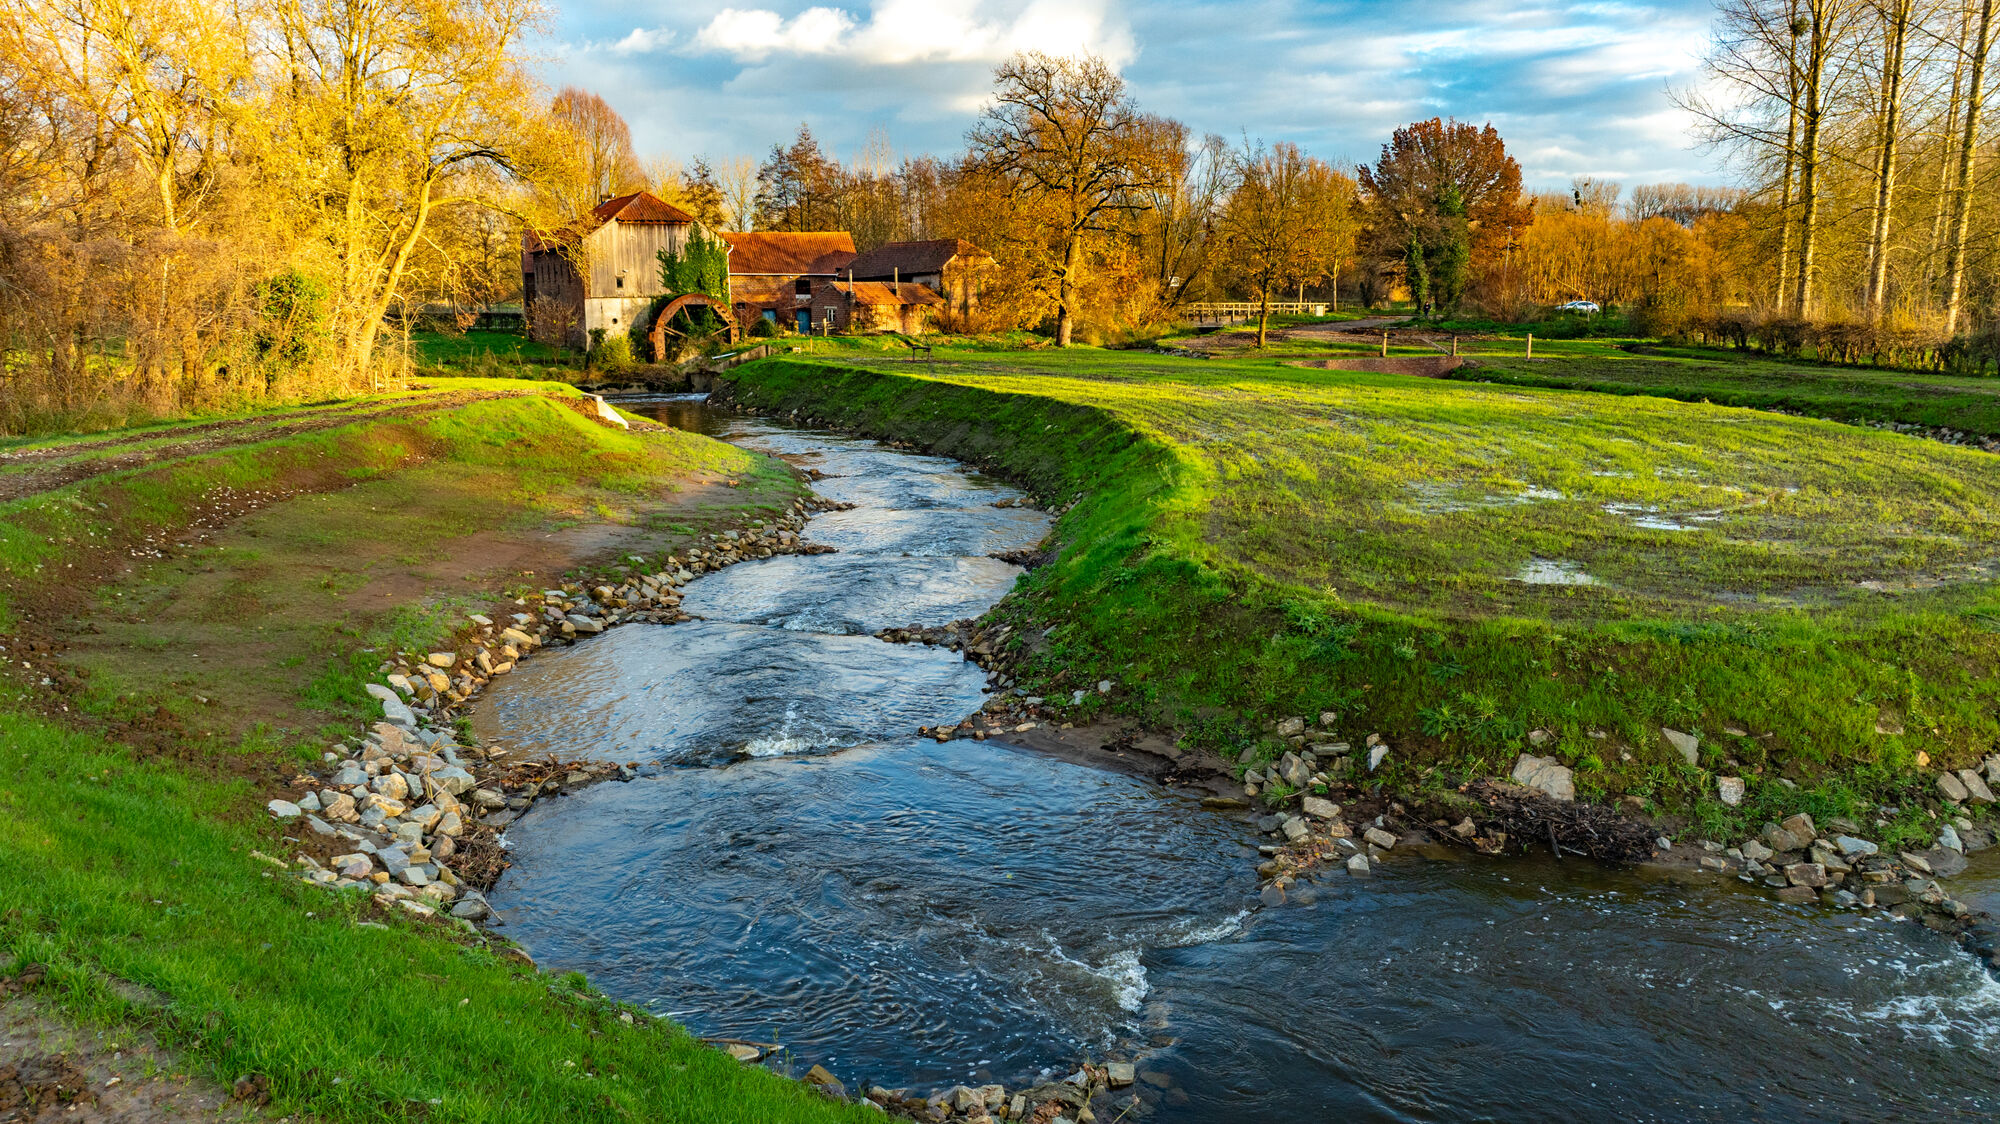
(1065, 290)
(1961, 217)
(1812, 118)
(1897, 13)
(1932, 273)
(1263, 312)
(1791, 164)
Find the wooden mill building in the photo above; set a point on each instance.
(603, 271)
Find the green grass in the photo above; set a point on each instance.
(508, 349)
(121, 866)
(117, 870)
(1855, 394)
(1255, 539)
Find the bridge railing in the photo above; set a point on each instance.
(1211, 312)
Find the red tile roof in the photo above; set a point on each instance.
(790, 253)
(912, 258)
(639, 206)
(880, 293)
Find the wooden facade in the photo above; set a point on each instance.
(604, 272)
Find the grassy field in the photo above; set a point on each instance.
(1857, 394)
(1453, 565)
(130, 780)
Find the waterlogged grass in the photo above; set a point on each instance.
(1855, 394)
(227, 657)
(1255, 539)
(116, 872)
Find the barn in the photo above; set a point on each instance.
(602, 271)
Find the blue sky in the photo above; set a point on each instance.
(1575, 88)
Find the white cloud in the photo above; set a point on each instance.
(643, 40)
(897, 32)
(756, 33)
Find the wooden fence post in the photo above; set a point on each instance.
(1385, 343)
(1454, 347)
(1531, 345)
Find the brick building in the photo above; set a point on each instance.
(602, 271)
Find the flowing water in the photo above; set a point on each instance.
(793, 867)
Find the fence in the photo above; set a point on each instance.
(1214, 312)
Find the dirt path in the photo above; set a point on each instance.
(51, 1071)
(70, 462)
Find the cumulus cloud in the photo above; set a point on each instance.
(756, 33)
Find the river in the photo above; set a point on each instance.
(793, 866)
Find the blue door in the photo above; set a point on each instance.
(805, 321)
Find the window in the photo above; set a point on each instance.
(802, 287)
(621, 280)
(771, 314)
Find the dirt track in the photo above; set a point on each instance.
(67, 463)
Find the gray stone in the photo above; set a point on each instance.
(1975, 788)
(1729, 790)
(1806, 874)
(1379, 838)
(1687, 744)
(309, 802)
(1754, 851)
(1376, 755)
(284, 809)
(584, 624)
(1948, 839)
(452, 779)
(1119, 1074)
(1802, 828)
(1322, 807)
(394, 710)
(393, 860)
(1293, 770)
(1778, 839)
(1916, 862)
(1545, 774)
(1272, 894)
(1852, 847)
(1943, 863)
(319, 826)
(487, 798)
(1291, 727)
(350, 775)
(1953, 788)
(1358, 864)
(1296, 831)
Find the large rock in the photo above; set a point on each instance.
(1802, 827)
(1545, 774)
(393, 707)
(1850, 847)
(1953, 789)
(1806, 874)
(1322, 807)
(452, 779)
(1293, 771)
(1729, 790)
(1379, 838)
(284, 809)
(1778, 839)
(1688, 745)
(1291, 727)
(1755, 851)
(1975, 788)
(1948, 839)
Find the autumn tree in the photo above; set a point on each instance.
(389, 113)
(1065, 138)
(1448, 186)
(598, 143)
(796, 186)
(1282, 223)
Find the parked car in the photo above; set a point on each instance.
(1587, 307)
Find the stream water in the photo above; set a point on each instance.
(793, 867)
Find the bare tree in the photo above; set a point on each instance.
(1968, 147)
(600, 141)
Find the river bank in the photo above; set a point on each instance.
(697, 890)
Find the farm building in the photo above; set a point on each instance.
(772, 273)
(603, 271)
(950, 267)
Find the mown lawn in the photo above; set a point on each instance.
(226, 662)
(1453, 565)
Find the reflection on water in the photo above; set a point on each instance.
(914, 913)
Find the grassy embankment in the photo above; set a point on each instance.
(129, 785)
(1255, 539)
